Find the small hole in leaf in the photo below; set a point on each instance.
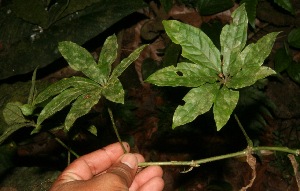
(179, 73)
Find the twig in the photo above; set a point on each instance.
(116, 130)
(220, 157)
(249, 141)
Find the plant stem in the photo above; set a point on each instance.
(116, 130)
(65, 146)
(196, 163)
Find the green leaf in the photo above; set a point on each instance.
(233, 38)
(64, 84)
(107, 56)
(286, 4)
(209, 7)
(294, 38)
(196, 45)
(81, 60)
(282, 60)
(58, 103)
(294, 71)
(125, 63)
(81, 106)
(251, 10)
(249, 76)
(185, 74)
(197, 101)
(224, 105)
(12, 113)
(114, 92)
(244, 70)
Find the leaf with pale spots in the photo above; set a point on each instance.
(81, 106)
(58, 103)
(81, 60)
(224, 105)
(64, 84)
(197, 101)
(114, 92)
(185, 74)
(196, 45)
(233, 38)
(107, 56)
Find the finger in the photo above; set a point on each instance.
(145, 176)
(125, 169)
(154, 184)
(93, 163)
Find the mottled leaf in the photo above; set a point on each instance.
(196, 45)
(248, 76)
(185, 74)
(224, 105)
(233, 38)
(81, 106)
(125, 63)
(64, 84)
(58, 103)
(197, 101)
(253, 55)
(114, 92)
(81, 60)
(107, 56)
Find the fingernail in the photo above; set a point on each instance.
(130, 160)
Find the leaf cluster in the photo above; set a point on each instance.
(214, 75)
(81, 92)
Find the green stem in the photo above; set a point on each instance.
(116, 130)
(65, 146)
(196, 163)
(249, 141)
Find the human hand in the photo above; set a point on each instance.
(109, 169)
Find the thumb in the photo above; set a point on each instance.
(125, 169)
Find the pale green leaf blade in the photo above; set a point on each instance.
(114, 92)
(107, 56)
(196, 45)
(254, 54)
(224, 105)
(58, 103)
(233, 38)
(12, 113)
(248, 76)
(64, 84)
(81, 60)
(197, 101)
(81, 106)
(126, 62)
(185, 74)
